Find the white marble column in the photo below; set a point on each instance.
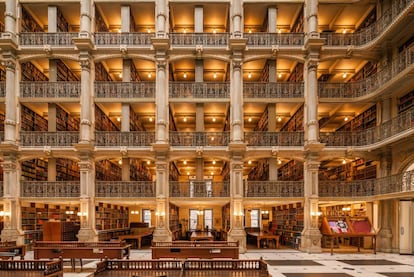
(10, 19)
(237, 18)
(161, 14)
(86, 16)
(311, 236)
(311, 14)
(87, 107)
(236, 102)
(125, 107)
(125, 19)
(10, 121)
(272, 19)
(161, 101)
(52, 19)
(311, 101)
(162, 231)
(198, 19)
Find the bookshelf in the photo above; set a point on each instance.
(291, 171)
(297, 73)
(103, 122)
(264, 77)
(67, 170)
(174, 172)
(2, 118)
(31, 73)
(34, 170)
(225, 221)
(366, 119)
(367, 70)
(106, 170)
(64, 73)
(111, 217)
(295, 122)
(134, 73)
(260, 172)
(2, 74)
(359, 169)
(100, 24)
(136, 123)
(174, 224)
(172, 126)
(60, 231)
(297, 26)
(28, 23)
(139, 171)
(62, 23)
(32, 121)
(263, 123)
(64, 121)
(288, 222)
(101, 74)
(406, 102)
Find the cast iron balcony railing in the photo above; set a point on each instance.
(269, 39)
(206, 90)
(199, 189)
(2, 88)
(204, 39)
(125, 90)
(199, 138)
(273, 189)
(374, 82)
(42, 39)
(57, 139)
(127, 189)
(128, 39)
(57, 90)
(399, 183)
(44, 189)
(370, 33)
(133, 138)
(397, 125)
(274, 138)
(273, 90)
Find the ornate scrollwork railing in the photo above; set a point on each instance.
(140, 189)
(217, 90)
(58, 139)
(125, 89)
(134, 138)
(273, 189)
(61, 189)
(273, 90)
(50, 89)
(274, 138)
(269, 39)
(41, 39)
(134, 39)
(370, 33)
(395, 126)
(199, 138)
(204, 39)
(199, 189)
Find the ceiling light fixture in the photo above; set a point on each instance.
(149, 75)
(214, 75)
(344, 75)
(185, 75)
(214, 161)
(279, 161)
(280, 75)
(250, 119)
(249, 75)
(214, 119)
(343, 161)
(279, 119)
(184, 162)
(150, 119)
(346, 118)
(249, 162)
(185, 119)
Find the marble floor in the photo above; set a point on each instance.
(293, 263)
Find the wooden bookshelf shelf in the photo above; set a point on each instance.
(288, 222)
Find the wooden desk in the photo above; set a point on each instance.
(267, 236)
(11, 247)
(137, 237)
(201, 236)
(353, 235)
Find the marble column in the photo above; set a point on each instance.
(272, 19)
(125, 19)
(52, 19)
(311, 236)
(161, 101)
(311, 101)
(161, 13)
(198, 19)
(125, 107)
(10, 19)
(236, 102)
(237, 18)
(86, 102)
(311, 14)
(10, 126)
(162, 231)
(86, 15)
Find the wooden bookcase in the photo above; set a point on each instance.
(103, 122)
(64, 73)
(260, 172)
(64, 121)
(174, 172)
(101, 74)
(111, 217)
(139, 171)
(34, 170)
(288, 222)
(62, 23)
(359, 169)
(295, 122)
(172, 125)
(2, 118)
(264, 77)
(297, 26)
(406, 102)
(60, 231)
(100, 24)
(31, 73)
(28, 23)
(106, 170)
(263, 123)
(365, 120)
(2, 74)
(32, 121)
(67, 170)
(367, 70)
(297, 73)
(174, 224)
(291, 171)
(136, 123)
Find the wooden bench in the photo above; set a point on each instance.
(10, 249)
(195, 249)
(31, 268)
(80, 250)
(189, 268)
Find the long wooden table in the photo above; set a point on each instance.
(201, 236)
(264, 235)
(137, 237)
(354, 235)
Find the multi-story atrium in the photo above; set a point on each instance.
(219, 115)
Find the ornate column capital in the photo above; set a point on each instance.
(85, 64)
(9, 65)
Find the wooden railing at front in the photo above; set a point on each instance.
(251, 268)
(195, 249)
(49, 268)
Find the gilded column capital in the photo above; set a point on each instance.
(9, 65)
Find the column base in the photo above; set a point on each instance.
(12, 235)
(311, 241)
(161, 234)
(240, 236)
(384, 238)
(87, 235)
